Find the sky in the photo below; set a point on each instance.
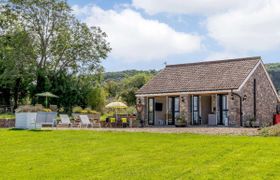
(146, 34)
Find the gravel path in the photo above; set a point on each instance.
(194, 130)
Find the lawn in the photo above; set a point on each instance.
(7, 116)
(114, 155)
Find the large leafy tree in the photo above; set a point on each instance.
(71, 89)
(43, 47)
(17, 56)
(62, 43)
(16, 63)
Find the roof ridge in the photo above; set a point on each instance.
(217, 61)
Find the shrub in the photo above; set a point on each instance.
(83, 111)
(271, 131)
(87, 109)
(61, 110)
(93, 112)
(47, 110)
(77, 109)
(131, 110)
(28, 108)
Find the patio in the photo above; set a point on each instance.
(169, 130)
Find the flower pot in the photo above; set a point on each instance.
(180, 124)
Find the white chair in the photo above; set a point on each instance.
(46, 118)
(85, 121)
(65, 120)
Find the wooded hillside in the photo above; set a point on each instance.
(274, 72)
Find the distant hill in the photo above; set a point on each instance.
(123, 74)
(274, 72)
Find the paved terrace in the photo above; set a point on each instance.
(194, 130)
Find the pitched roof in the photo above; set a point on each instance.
(203, 76)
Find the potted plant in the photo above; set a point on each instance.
(254, 123)
(181, 121)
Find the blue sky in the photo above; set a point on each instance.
(144, 34)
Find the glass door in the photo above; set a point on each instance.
(222, 110)
(173, 109)
(195, 110)
(151, 111)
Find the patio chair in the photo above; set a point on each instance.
(85, 121)
(112, 122)
(94, 120)
(124, 122)
(65, 120)
(44, 118)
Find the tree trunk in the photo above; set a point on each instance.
(40, 87)
(16, 92)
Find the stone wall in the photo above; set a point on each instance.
(266, 100)
(7, 123)
(234, 111)
(185, 108)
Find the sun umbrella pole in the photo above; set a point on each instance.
(46, 102)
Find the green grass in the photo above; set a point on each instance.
(7, 116)
(111, 155)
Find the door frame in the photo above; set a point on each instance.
(198, 111)
(220, 104)
(173, 111)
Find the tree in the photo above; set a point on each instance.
(131, 85)
(97, 98)
(61, 42)
(71, 89)
(16, 63)
(112, 88)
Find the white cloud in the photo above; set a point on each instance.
(253, 28)
(187, 6)
(238, 26)
(135, 38)
(222, 55)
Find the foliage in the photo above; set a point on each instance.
(130, 85)
(271, 131)
(120, 75)
(46, 110)
(136, 156)
(77, 109)
(61, 41)
(83, 111)
(30, 108)
(43, 47)
(181, 118)
(97, 98)
(274, 72)
(113, 88)
(16, 63)
(71, 89)
(131, 110)
(122, 87)
(7, 116)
